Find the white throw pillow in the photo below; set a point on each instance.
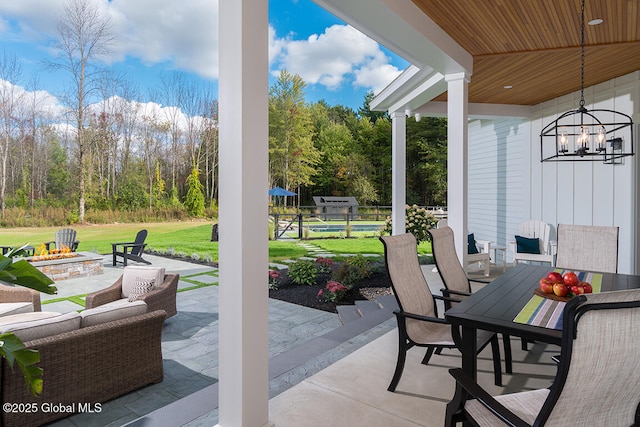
(131, 273)
(110, 312)
(141, 286)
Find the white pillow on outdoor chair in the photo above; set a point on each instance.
(131, 274)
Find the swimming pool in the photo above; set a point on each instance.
(337, 228)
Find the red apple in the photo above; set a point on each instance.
(554, 277)
(587, 287)
(546, 286)
(560, 289)
(570, 278)
(577, 289)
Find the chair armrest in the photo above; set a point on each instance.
(11, 294)
(465, 381)
(446, 299)
(512, 246)
(103, 296)
(420, 317)
(554, 247)
(446, 292)
(123, 243)
(485, 244)
(480, 281)
(163, 297)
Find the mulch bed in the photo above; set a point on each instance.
(378, 283)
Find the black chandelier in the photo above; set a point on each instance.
(587, 135)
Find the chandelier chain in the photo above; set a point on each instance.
(582, 61)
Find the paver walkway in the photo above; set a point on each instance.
(302, 341)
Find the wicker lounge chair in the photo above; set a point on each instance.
(162, 297)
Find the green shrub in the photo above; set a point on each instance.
(303, 272)
(352, 270)
(417, 222)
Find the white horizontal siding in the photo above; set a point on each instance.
(495, 177)
(508, 184)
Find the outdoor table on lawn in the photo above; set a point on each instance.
(496, 306)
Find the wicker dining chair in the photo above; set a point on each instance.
(597, 378)
(417, 316)
(456, 283)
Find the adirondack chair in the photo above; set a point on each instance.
(533, 243)
(130, 250)
(477, 251)
(65, 237)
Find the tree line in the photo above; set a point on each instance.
(108, 151)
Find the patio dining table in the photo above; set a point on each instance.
(497, 306)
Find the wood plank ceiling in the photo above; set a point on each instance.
(534, 45)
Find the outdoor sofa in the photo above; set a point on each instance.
(88, 358)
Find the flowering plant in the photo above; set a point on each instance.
(324, 265)
(274, 279)
(417, 222)
(333, 291)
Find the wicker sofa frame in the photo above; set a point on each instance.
(20, 294)
(87, 366)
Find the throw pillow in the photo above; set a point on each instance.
(148, 272)
(526, 245)
(141, 286)
(471, 244)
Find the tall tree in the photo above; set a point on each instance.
(292, 154)
(85, 35)
(10, 98)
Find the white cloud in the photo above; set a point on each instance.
(340, 54)
(43, 100)
(185, 32)
(184, 35)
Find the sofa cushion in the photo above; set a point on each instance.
(141, 286)
(115, 310)
(132, 272)
(9, 308)
(39, 324)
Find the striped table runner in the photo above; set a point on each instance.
(547, 313)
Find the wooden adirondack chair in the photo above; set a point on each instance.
(65, 237)
(130, 250)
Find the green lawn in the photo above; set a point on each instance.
(187, 238)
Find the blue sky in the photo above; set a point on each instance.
(156, 38)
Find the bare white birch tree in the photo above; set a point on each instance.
(10, 94)
(85, 35)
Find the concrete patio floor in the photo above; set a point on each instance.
(322, 374)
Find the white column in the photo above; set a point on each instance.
(457, 153)
(243, 341)
(398, 171)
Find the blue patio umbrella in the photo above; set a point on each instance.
(279, 191)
